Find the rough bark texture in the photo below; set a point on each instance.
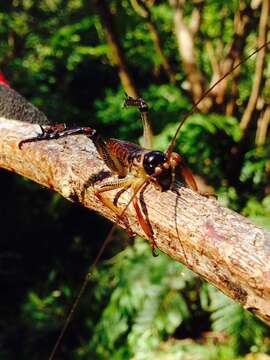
(220, 245)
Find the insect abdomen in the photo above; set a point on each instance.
(125, 151)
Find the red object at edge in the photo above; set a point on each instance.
(3, 80)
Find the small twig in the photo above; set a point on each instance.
(213, 61)
(117, 51)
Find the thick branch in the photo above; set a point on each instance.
(220, 245)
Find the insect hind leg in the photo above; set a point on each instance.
(141, 104)
(53, 132)
(145, 226)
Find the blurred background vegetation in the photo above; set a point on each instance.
(75, 59)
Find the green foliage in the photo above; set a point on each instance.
(255, 166)
(147, 293)
(246, 332)
(124, 123)
(149, 300)
(197, 138)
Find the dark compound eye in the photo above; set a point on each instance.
(152, 160)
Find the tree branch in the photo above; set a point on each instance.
(185, 41)
(144, 11)
(196, 17)
(220, 245)
(117, 51)
(262, 127)
(242, 21)
(263, 28)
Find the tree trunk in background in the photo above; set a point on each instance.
(257, 83)
(242, 25)
(117, 51)
(185, 41)
(144, 11)
(262, 127)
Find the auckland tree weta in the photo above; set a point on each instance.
(135, 166)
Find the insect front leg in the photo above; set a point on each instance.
(136, 185)
(124, 183)
(144, 111)
(144, 224)
(108, 186)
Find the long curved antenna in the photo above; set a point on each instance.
(89, 274)
(194, 107)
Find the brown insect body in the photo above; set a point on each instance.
(130, 155)
(152, 166)
(136, 166)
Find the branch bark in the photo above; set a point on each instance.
(220, 245)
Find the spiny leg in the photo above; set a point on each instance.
(112, 185)
(136, 186)
(57, 131)
(47, 132)
(144, 111)
(60, 130)
(145, 225)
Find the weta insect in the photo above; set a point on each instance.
(135, 166)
